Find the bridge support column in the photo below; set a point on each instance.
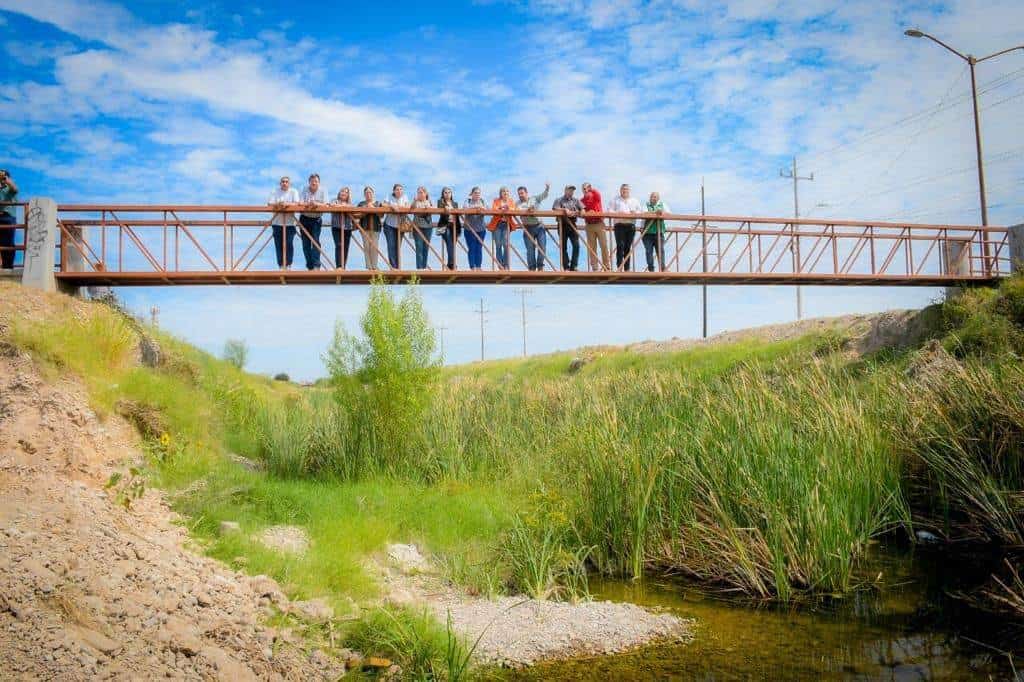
(1017, 248)
(40, 244)
(956, 261)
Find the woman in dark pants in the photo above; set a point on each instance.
(341, 229)
(449, 226)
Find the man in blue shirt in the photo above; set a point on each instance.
(571, 208)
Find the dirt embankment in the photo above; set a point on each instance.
(91, 590)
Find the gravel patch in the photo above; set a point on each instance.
(519, 631)
(287, 539)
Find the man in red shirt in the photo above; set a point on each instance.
(597, 233)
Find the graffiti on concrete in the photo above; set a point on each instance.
(37, 232)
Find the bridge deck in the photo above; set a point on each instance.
(519, 277)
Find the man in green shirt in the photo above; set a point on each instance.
(8, 193)
(654, 232)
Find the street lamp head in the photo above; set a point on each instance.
(913, 33)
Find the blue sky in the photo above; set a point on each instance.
(170, 102)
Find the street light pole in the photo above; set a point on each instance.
(972, 61)
(977, 149)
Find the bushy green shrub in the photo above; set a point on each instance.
(394, 362)
(236, 352)
(986, 322)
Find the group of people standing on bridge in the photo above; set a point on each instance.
(473, 227)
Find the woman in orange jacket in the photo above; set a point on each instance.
(502, 225)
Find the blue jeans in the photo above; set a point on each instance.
(310, 238)
(501, 244)
(449, 237)
(391, 236)
(422, 245)
(475, 247)
(535, 237)
(284, 244)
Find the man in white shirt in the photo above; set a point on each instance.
(312, 198)
(625, 229)
(393, 223)
(282, 223)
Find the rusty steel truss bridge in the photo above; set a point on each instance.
(154, 245)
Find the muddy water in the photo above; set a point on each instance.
(909, 630)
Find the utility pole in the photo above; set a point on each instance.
(795, 246)
(154, 314)
(522, 293)
(481, 311)
(704, 257)
(441, 331)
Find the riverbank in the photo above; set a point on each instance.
(765, 464)
(326, 544)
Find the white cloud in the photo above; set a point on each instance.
(191, 132)
(178, 63)
(206, 167)
(495, 89)
(99, 142)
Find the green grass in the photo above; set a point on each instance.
(424, 649)
(701, 360)
(347, 525)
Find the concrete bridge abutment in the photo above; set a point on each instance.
(40, 263)
(1016, 233)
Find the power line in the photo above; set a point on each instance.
(995, 160)
(873, 151)
(919, 212)
(909, 141)
(929, 112)
(955, 197)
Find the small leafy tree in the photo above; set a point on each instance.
(387, 376)
(236, 352)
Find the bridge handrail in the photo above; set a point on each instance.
(19, 244)
(675, 217)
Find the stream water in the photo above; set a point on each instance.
(911, 629)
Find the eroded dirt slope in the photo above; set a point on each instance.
(90, 590)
